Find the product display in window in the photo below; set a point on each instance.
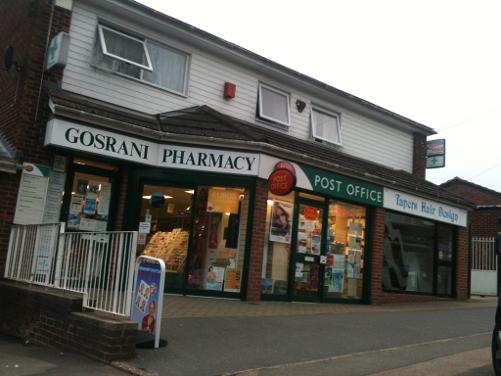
(345, 251)
(170, 247)
(166, 219)
(218, 247)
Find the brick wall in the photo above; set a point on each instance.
(485, 222)
(257, 241)
(376, 257)
(122, 197)
(462, 263)
(55, 319)
(8, 192)
(419, 156)
(24, 111)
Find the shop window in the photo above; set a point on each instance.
(166, 211)
(219, 239)
(89, 206)
(273, 105)
(277, 249)
(344, 269)
(409, 254)
(325, 126)
(141, 59)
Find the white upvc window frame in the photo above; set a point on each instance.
(100, 28)
(335, 115)
(260, 104)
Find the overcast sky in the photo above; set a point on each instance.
(437, 62)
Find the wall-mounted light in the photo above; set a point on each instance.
(8, 59)
(300, 105)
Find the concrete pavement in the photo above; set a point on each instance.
(20, 359)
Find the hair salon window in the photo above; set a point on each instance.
(418, 255)
(141, 59)
(277, 251)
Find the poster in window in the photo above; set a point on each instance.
(337, 280)
(104, 199)
(281, 222)
(75, 209)
(215, 278)
(90, 204)
(82, 186)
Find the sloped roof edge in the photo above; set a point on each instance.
(238, 50)
(250, 137)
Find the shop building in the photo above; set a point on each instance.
(249, 179)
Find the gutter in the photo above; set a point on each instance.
(272, 150)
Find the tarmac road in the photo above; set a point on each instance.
(361, 343)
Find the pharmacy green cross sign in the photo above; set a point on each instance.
(435, 153)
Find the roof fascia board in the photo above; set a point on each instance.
(243, 57)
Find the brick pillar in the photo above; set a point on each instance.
(376, 257)
(8, 192)
(122, 197)
(462, 263)
(419, 156)
(257, 241)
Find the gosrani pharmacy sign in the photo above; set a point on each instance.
(75, 136)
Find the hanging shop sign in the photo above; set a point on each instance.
(435, 153)
(283, 179)
(147, 303)
(57, 55)
(421, 207)
(80, 137)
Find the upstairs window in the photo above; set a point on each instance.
(325, 126)
(124, 48)
(142, 59)
(273, 105)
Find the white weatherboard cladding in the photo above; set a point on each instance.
(362, 137)
(418, 206)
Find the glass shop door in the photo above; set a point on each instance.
(307, 249)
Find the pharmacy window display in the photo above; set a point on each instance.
(345, 248)
(89, 206)
(165, 223)
(216, 257)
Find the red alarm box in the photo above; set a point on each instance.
(229, 90)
